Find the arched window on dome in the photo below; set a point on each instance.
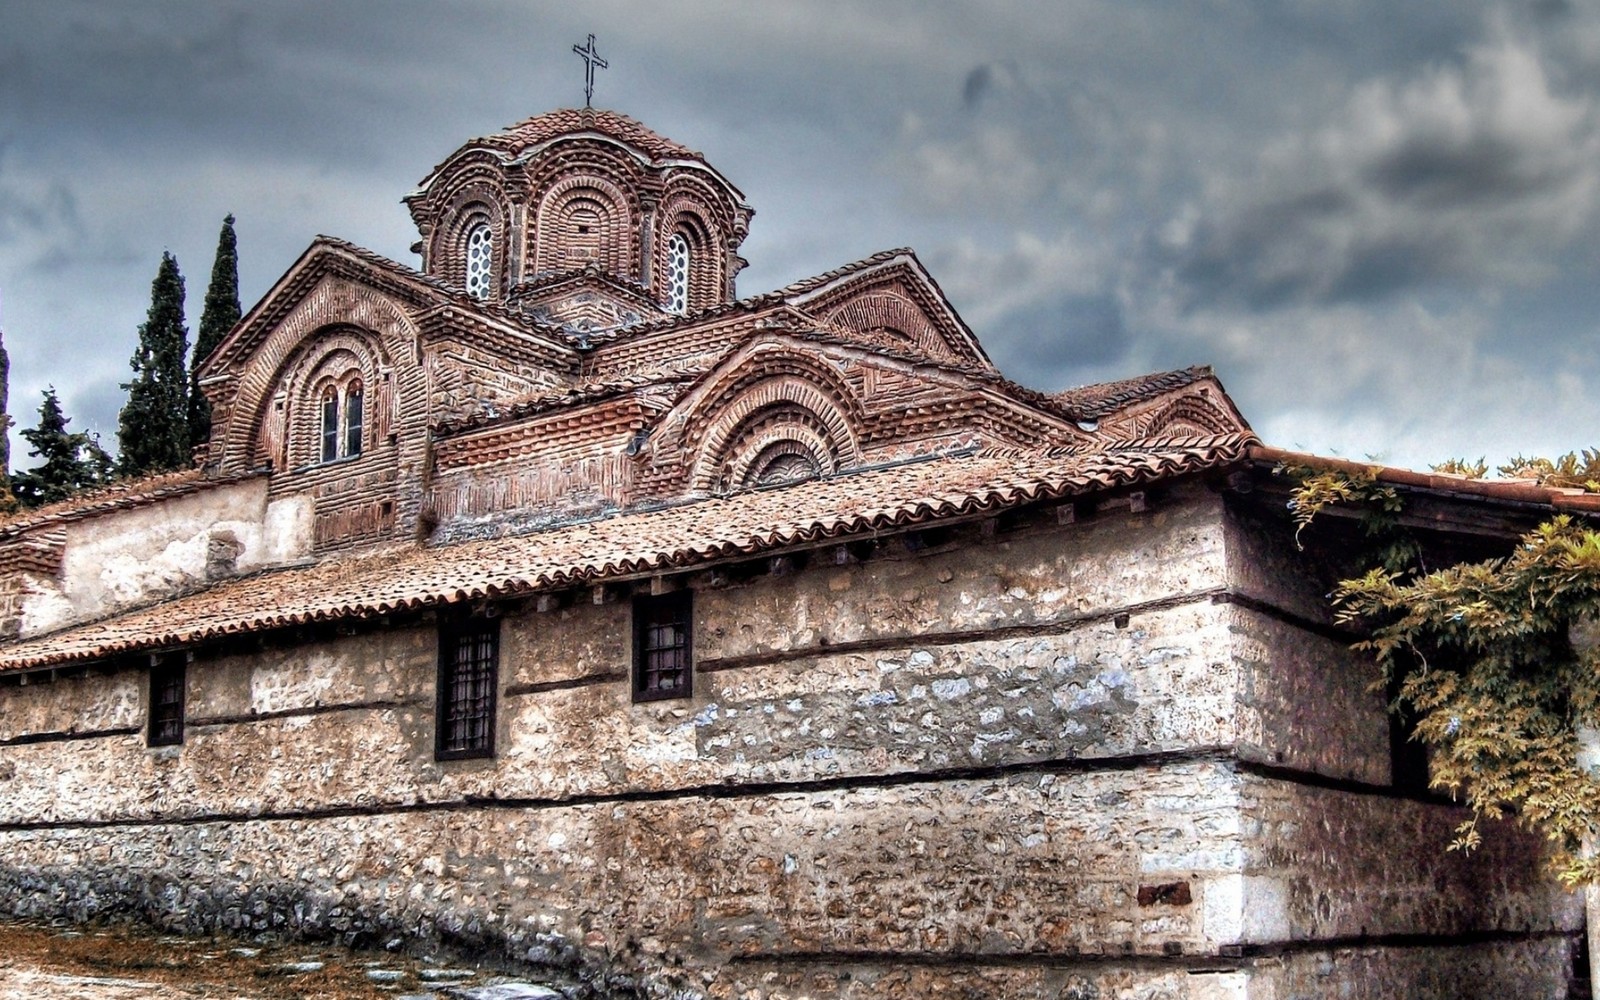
(480, 260)
(678, 260)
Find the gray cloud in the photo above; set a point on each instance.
(1330, 201)
(1475, 173)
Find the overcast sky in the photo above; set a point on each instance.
(1379, 221)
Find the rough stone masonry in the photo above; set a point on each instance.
(552, 601)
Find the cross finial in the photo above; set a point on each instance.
(591, 60)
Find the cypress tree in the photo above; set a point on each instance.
(70, 462)
(220, 314)
(153, 427)
(8, 502)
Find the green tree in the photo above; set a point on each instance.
(70, 462)
(1496, 663)
(153, 427)
(220, 314)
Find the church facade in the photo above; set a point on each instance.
(553, 599)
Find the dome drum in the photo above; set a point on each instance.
(573, 190)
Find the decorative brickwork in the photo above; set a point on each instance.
(576, 189)
(795, 650)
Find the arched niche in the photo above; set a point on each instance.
(894, 315)
(343, 365)
(705, 280)
(479, 205)
(1189, 416)
(781, 417)
(584, 220)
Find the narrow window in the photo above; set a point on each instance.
(662, 646)
(469, 655)
(330, 424)
(479, 261)
(678, 274)
(166, 700)
(352, 417)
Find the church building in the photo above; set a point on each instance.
(551, 599)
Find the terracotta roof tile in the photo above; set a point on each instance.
(629, 544)
(1091, 402)
(674, 374)
(515, 138)
(1558, 498)
(748, 304)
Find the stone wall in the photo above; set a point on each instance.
(1101, 759)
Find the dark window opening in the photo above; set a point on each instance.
(469, 655)
(330, 425)
(662, 645)
(166, 700)
(1408, 757)
(352, 406)
(343, 421)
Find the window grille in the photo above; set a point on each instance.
(166, 700)
(662, 647)
(352, 418)
(678, 274)
(330, 424)
(469, 656)
(480, 259)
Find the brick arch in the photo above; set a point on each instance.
(334, 305)
(763, 363)
(894, 314)
(289, 425)
(708, 280)
(477, 201)
(771, 437)
(777, 408)
(584, 219)
(1188, 415)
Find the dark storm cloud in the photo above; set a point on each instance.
(1470, 175)
(1102, 186)
(1050, 340)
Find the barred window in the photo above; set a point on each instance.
(166, 699)
(469, 656)
(662, 646)
(480, 260)
(678, 274)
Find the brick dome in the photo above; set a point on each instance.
(582, 190)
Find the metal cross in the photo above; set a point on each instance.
(590, 60)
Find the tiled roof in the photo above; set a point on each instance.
(629, 544)
(515, 138)
(750, 303)
(816, 281)
(1507, 490)
(123, 494)
(584, 390)
(1091, 402)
